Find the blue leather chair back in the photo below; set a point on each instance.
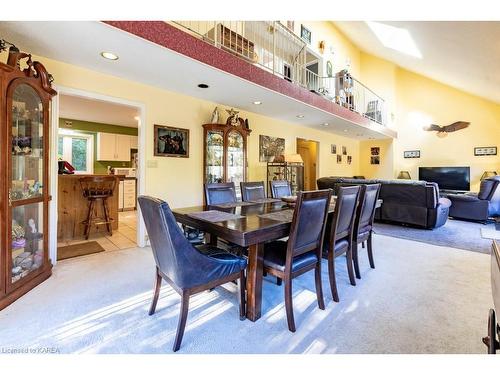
(251, 191)
(280, 188)
(345, 213)
(174, 255)
(366, 208)
(309, 220)
(220, 193)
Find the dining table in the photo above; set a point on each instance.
(249, 225)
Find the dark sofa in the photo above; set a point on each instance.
(404, 201)
(478, 206)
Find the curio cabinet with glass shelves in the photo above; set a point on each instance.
(225, 152)
(24, 163)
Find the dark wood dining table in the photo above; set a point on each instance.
(248, 225)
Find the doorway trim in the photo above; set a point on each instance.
(317, 154)
(141, 183)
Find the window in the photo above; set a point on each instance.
(77, 149)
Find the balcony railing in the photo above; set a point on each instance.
(273, 47)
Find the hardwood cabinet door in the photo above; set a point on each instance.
(122, 147)
(120, 196)
(106, 146)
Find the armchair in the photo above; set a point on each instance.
(477, 206)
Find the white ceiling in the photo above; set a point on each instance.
(77, 108)
(464, 55)
(80, 43)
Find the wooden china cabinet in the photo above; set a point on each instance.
(225, 152)
(24, 165)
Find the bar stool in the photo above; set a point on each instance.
(98, 188)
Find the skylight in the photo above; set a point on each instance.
(395, 38)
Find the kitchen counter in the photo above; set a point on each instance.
(72, 207)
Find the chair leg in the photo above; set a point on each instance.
(349, 266)
(288, 304)
(88, 225)
(331, 276)
(319, 286)
(355, 259)
(370, 251)
(242, 287)
(278, 280)
(106, 216)
(182, 321)
(363, 244)
(156, 293)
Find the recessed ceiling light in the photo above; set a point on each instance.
(109, 55)
(257, 102)
(300, 116)
(203, 86)
(395, 38)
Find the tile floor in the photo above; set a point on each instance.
(123, 238)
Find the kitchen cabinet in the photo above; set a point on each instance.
(114, 147)
(134, 142)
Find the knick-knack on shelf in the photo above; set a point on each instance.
(215, 116)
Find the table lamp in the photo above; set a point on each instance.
(488, 174)
(404, 175)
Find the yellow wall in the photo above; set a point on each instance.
(384, 170)
(179, 180)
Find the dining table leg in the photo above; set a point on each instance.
(254, 281)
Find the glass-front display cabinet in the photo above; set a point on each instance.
(25, 177)
(225, 153)
(291, 172)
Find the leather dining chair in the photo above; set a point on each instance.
(302, 251)
(187, 269)
(219, 193)
(339, 234)
(280, 188)
(252, 191)
(363, 226)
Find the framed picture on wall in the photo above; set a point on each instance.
(305, 34)
(375, 151)
(339, 159)
(171, 142)
(344, 150)
(349, 159)
(411, 154)
(333, 149)
(485, 151)
(271, 148)
(375, 160)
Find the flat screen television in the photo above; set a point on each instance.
(447, 178)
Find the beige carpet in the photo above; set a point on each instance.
(420, 299)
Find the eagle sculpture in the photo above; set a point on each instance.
(444, 130)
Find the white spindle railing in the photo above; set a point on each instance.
(273, 47)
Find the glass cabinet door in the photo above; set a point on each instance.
(27, 207)
(235, 158)
(214, 164)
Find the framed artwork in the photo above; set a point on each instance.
(329, 69)
(375, 160)
(349, 159)
(411, 154)
(271, 148)
(169, 141)
(333, 149)
(339, 159)
(485, 151)
(375, 151)
(305, 34)
(344, 150)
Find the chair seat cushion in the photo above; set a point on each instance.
(275, 257)
(340, 246)
(221, 254)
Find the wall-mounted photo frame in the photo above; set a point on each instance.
(333, 149)
(375, 151)
(171, 142)
(305, 34)
(344, 150)
(349, 159)
(411, 154)
(339, 159)
(485, 151)
(375, 160)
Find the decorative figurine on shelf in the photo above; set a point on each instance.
(32, 237)
(18, 233)
(233, 118)
(215, 116)
(32, 226)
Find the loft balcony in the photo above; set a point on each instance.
(273, 47)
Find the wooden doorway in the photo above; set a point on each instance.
(308, 150)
